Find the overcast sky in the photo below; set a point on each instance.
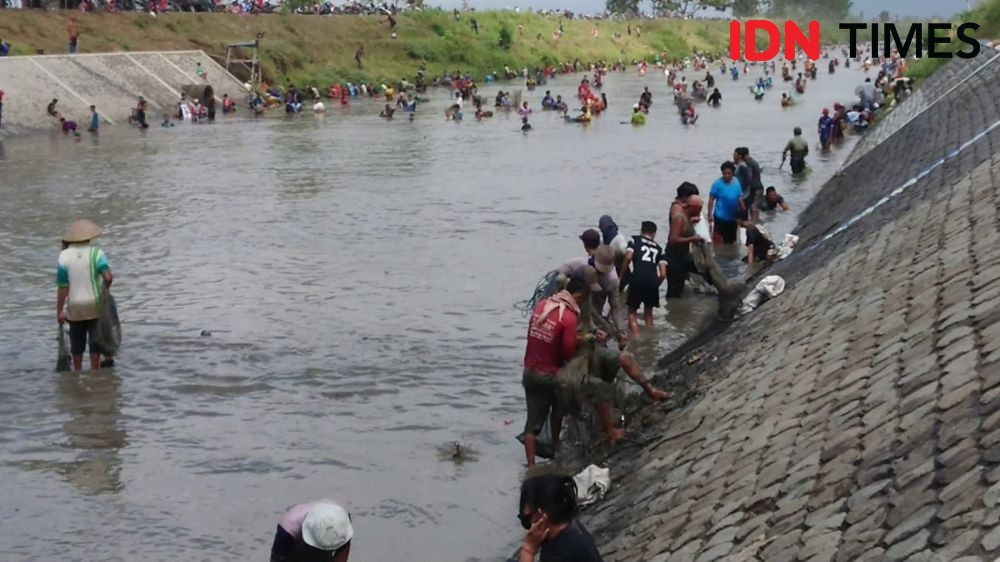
(871, 8)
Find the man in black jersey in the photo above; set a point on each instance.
(649, 269)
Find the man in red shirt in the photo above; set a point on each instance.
(551, 344)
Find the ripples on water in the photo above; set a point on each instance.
(357, 278)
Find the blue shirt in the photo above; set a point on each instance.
(727, 199)
(825, 126)
(95, 121)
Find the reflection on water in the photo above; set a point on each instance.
(93, 430)
(93, 433)
(357, 278)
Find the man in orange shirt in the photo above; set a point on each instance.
(73, 35)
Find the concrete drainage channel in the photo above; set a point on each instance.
(110, 81)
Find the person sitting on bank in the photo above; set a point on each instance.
(548, 510)
(81, 272)
(313, 532)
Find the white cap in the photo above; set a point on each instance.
(327, 527)
(635, 106)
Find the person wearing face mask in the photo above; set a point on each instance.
(548, 510)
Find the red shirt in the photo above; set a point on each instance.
(551, 343)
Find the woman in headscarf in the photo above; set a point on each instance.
(613, 238)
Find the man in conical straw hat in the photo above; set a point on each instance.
(81, 276)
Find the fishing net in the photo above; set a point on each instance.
(109, 330)
(63, 357)
(729, 291)
(545, 288)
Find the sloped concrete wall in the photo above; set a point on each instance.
(113, 82)
(856, 417)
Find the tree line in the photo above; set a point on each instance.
(815, 9)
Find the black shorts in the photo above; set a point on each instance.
(80, 333)
(678, 269)
(798, 164)
(643, 293)
(726, 230)
(543, 394)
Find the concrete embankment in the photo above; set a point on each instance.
(112, 82)
(856, 416)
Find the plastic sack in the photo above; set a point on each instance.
(787, 246)
(768, 288)
(63, 360)
(591, 485)
(109, 330)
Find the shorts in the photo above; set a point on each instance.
(543, 394)
(726, 230)
(80, 333)
(643, 294)
(798, 164)
(678, 269)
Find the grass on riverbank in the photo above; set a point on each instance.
(320, 50)
(987, 15)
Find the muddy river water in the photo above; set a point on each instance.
(354, 282)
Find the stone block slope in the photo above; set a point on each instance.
(857, 416)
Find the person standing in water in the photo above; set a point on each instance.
(313, 531)
(715, 99)
(95, 120)
(638, 117)
(724, 201)
(82, 275)
(825, 129)
(798, 147)
(552, 342)
(683, 210)
(649, 269)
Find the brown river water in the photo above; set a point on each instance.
(357, 278)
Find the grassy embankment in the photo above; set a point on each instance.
(320, 50)
(987, 15)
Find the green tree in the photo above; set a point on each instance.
(721, 5)
(683, 8)
(884, 16)
(836, 10)
(627, 8)
(744, 8)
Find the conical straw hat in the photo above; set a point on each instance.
(81, 231)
